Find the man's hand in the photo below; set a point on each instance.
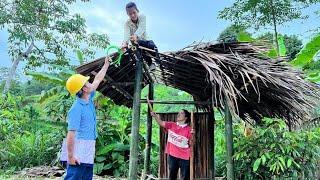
(107, 60)
(70, 146)
(73, 161)
(134, 38)
(124, 45)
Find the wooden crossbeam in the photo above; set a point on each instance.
(177, 102)
(116, 87)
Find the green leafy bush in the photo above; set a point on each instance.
(24, 140)
(273, 151)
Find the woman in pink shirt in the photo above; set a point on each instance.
(178, 145)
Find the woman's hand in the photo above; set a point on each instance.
(153, 114)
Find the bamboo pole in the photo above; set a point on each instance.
(149, 134)
(229, 142)
(134, 143)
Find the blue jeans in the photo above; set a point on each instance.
(79, 172)
(150, 45)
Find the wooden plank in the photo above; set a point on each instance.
(211, 129)
(177, 102)
(124, 83)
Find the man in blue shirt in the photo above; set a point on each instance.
(82, 130)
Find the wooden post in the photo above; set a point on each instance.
(229, 142)
(149, 135)
(192, 147)
(134, 143)
(211, 136)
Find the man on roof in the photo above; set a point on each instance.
(135, 30)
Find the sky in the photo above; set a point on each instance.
(172, 25)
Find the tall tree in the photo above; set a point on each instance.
(292, 42)
(43, 32)
(257, 13)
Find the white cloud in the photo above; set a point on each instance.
(103, 20)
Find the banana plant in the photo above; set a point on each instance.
(58, 80)
(308, 52)
(308, 59)
(56, 101)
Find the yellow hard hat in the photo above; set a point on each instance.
(75, 83)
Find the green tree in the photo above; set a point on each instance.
(35, 87)
(230, 34)
(292, 42)
(257, 13)
(43, 32)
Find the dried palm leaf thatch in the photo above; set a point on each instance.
(238, 75)
(243, 78)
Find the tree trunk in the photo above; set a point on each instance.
(11, 74)
(14, 68)
(275, 28)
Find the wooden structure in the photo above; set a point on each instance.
(201, 161)
(236, 78)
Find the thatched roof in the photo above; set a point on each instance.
(251, 83)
